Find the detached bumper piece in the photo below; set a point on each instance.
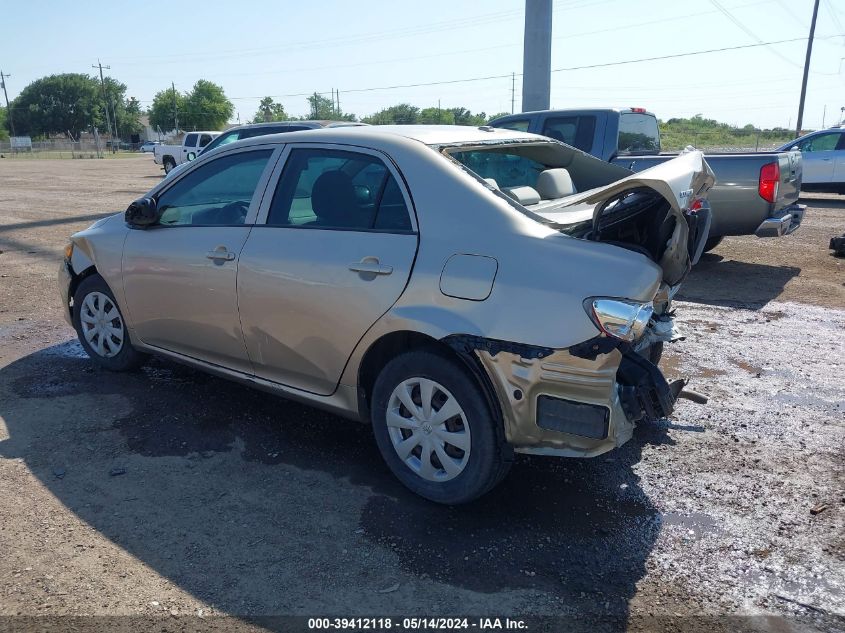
(783, 225)
(644, 392)
(837, 245)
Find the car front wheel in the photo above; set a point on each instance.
(169, 164)
(435, 429)
(101, 328)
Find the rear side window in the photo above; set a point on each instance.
(330, 189)
(638, 134)
(205, 139)
(577, 131)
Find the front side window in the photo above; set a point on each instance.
(820, 143)
(331, 189)
(217, 193)
(223, 139)
(577, 131)
(191, 140)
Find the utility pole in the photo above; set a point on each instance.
(537, 55)
(6, 94)
(806, 69)
(513, 91)
(337, 91)
(175, 114)
(105, 97)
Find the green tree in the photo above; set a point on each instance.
(436, 116)
(206, 107)
(126, 111)
(401, 114)
(59, 104)
(324, 108)
(269, 110)
(497, 115)
(161, 111)
(4, 125)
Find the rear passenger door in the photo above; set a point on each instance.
(332, 252)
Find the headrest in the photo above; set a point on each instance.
(555, 183)
(333, 198)
(523, 195)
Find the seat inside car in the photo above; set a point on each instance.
(554, 183)
(335, 201)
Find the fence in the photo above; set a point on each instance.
(61, 148)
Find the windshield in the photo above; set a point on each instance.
(638, 134)
(223, 139)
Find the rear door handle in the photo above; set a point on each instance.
(372, 266)
(221, 254)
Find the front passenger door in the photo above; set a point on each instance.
(818, 157)
(179, 276)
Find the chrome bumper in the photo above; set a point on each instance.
(783, 225)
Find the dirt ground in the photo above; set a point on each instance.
(177, 498)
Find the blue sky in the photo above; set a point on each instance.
(287, 48)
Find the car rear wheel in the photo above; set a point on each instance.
(169, 164)
(100, 327)
(435, 429)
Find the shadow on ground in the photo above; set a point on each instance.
(718, 281)
(244, 499)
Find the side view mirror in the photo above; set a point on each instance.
(142, 213)
(191, 156)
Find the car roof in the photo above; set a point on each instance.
(427, 134)
(310, 123)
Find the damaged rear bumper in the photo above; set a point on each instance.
(576, 402)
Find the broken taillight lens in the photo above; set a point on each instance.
(769, 181)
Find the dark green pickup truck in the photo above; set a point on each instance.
(756, 193)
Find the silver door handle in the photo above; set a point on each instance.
(224, 255)
(372, 267)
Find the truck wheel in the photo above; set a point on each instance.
(712, 242)
(169, 164)
(435, 429)
(100, 327)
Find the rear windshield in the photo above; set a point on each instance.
(638, 134)
(507, 168)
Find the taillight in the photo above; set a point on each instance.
(638, 110)
(697, 204)
(769, 180)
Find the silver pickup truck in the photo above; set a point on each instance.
(755, 193)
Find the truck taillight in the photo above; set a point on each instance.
(697, 204)
(638, 110)
(769, 180)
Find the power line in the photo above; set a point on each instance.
(748, 31)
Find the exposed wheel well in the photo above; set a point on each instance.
(391, 345)
(75, 280)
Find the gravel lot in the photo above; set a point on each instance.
(234, 502)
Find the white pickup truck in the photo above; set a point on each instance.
(171, 155)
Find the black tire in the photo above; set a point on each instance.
(127, 358)
(168, 163)
(712, 242)
(490, 457)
